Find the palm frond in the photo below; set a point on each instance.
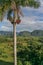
(31, 3)
(9, 17)
(1, 14)
(6, 5)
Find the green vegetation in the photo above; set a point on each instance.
(6, 50)
(29, 50)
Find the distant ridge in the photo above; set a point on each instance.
(33, 33)
(37, 33)
(6, 33)
(24, 33)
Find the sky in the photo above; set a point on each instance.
(32, 20)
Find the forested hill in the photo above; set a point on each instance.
(33, 33)
(6, 33)
(37, 33)
(24, 33)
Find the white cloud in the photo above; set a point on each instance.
(41, 2)
(29, 24)
(7, 23)
(27, 20)
(5, 28)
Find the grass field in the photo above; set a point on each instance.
(29, 50)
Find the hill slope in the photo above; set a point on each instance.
(23, 33)
(37, 33)
(33, 33)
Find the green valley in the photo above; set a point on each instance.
(29, 50)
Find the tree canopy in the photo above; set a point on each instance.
(7, 6)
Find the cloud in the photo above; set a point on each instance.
(41, 2)
(29, 27)
(5, 28)
(37, 14)
(32, 20)
(29, 24)
(27, 20)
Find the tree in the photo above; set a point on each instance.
(20, 62)
(13, 7)
(27, 63)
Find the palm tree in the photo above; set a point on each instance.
(13, 7)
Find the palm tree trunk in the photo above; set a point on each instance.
(15, 52)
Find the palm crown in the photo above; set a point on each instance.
(9, 6)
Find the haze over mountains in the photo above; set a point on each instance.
(6, 33)
(33, 33)
(24, 33)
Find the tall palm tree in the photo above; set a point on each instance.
(13, 7)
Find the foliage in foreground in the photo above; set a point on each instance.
(29, 50)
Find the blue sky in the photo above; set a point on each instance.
(32, 20)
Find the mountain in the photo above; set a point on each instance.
(33, 33)
(24, 33)
(37, 33)
(6, 33)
